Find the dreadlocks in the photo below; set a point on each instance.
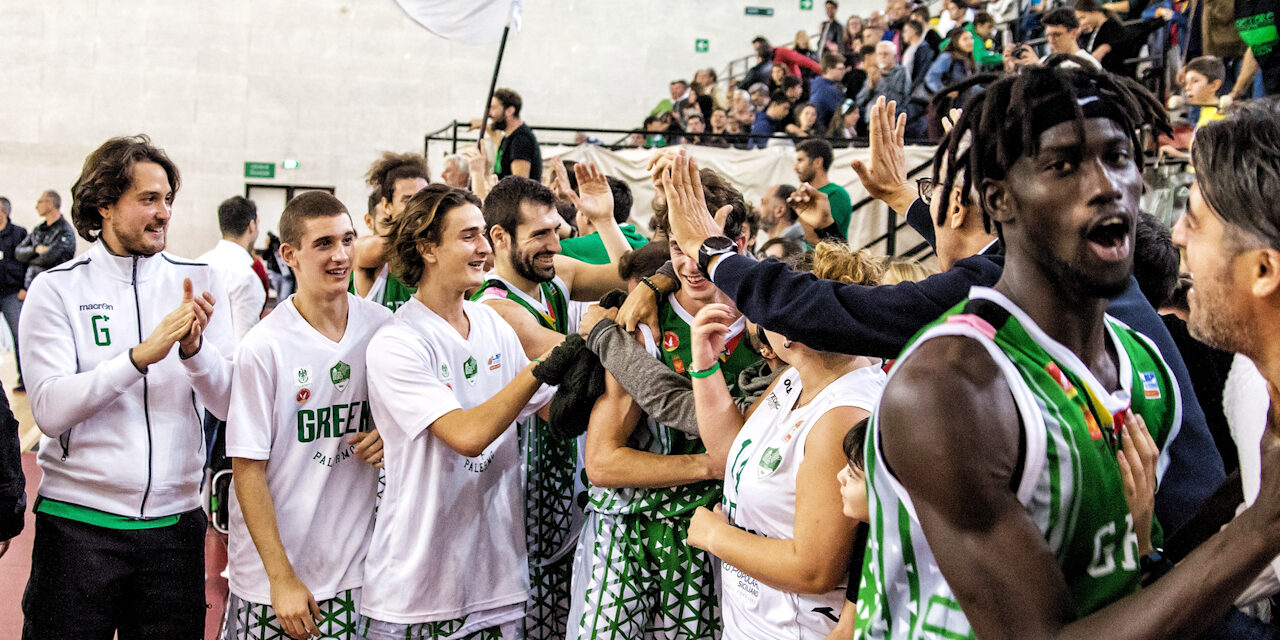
(1004, 121)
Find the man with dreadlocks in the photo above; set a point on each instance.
(995, 459)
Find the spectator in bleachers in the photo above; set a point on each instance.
(886, 78)
(1256, 22)
(781, 248)
(759, 94)
(916, 59)
(844, 126)
(703, 102)
(856, 76)
(776, 75)
(694, 126)
(983, 28)
(921, 14)
(764, 64)
(813, 161)
(955, 13)
(12, 291)
(803, 45)
(806, 125)
(831, 33)
(719, 128)
(681, 98)
(954, 64)
(794, 60)
(708, 81)
(824, 91)
(456, 172)
(769, 120)
(852, 36)
(871, 34)
(1105, 38)
(1203, 78)
(1061, 32)
(895, 14)
(793, 87)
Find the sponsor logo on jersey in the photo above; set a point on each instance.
(339, 374)
(495, 361)
(101, 334)
(1150, 385)
(677, 364)
(97, 306)
(670, 341)
(479, 463)
(304, 394)
(469, 369)
(332, 422)
(302, 376)
(772, 401)
(769, 461)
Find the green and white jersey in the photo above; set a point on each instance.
(675, 350)
(297, 398)
(388, 291)
(1070, 484)
(551, 310)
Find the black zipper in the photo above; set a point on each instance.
(146, 410)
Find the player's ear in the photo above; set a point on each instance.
(1265, 267)
(994, 196)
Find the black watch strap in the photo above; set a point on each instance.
(712, 247)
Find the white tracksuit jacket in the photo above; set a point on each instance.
(116, 440)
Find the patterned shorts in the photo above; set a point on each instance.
(371, 629)
(253, 621)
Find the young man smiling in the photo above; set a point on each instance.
(119, 541)
(298, 430)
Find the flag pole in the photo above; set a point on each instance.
(493, 82)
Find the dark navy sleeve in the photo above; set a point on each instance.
(848, 318)
(920, 219)
(1195, 468)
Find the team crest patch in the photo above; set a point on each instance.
(339, 375)
(769, 461)
(495, 361)
(304, 394)
(1150, 386)
(302, 376)
(670, 341)
(469, 369)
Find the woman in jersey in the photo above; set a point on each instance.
(780, 530)
(448, 556)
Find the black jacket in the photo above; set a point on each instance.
(61, 240)
(12, 272)
(13, 497)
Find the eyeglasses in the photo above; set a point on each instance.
(924, 190)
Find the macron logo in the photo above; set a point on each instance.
(98, 306)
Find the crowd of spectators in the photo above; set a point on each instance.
(829, 79)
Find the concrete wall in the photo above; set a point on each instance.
(327, 82)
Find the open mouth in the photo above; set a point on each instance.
(477, 264)
(338, 272)
(694, 280)
(1110, 237)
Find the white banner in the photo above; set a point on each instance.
(467, 21)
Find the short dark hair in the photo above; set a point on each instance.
(1061, 17)
(1237, 161)
(53, 195)
(307, 206)
(1088, 6)
(375, 197)
(779, 97)
(622, 199)
(833, 3)
(509, 99)
(1155, 260)
(982, 17)
(107, 174)
(784, 192)
(790, 82)
(818, 148)
(923, 12)
(5, 205)
(645, 261)
(502, 206)
(1211, 67)
(914, 24)
(855, 444)
(830, 59)
(235, 214)
(867, 49)
(789, 246)
(423, 220)
(683, 82)
(392, 167)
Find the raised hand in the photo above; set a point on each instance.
(812, 206)
(172, 328)
(884, 175)
(558, 180)
(691, 223)
(594, 198)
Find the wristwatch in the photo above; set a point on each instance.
(712, 247)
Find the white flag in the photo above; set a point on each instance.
(468, 21)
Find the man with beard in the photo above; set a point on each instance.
(518, 153)
(813, 161)
(396, 177)
(1231, 233)
(119, 543)
(530, 287)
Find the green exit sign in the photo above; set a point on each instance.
(259, 170)
(806, 5)
(701, 45)
(759, 11)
